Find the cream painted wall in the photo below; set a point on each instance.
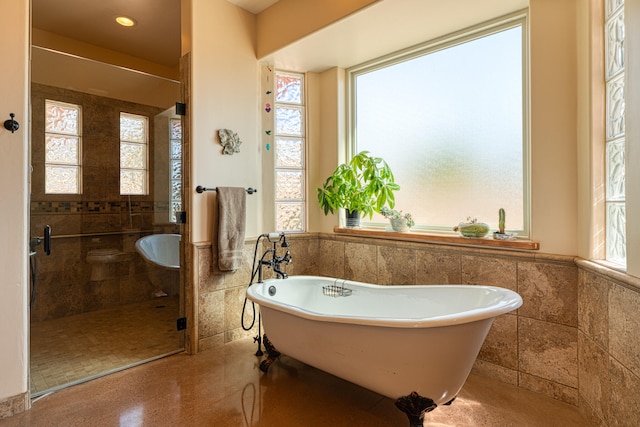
(632, 110)
(56, 42)
(554, 155)
(302, 17)
(590, 136)
(14, 38)
(327, 138)
(554, 125)
(225, 95)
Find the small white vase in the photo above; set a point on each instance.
(399, 224)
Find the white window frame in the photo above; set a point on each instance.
(503, 23)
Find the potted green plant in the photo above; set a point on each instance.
(399, 221)
(363, 186)
(501, 234)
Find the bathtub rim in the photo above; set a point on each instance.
(512, 303)
(149, 257)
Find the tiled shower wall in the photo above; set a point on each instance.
(99, 218)
(574, 339)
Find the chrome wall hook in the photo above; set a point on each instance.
(11, 124)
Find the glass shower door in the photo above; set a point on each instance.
(96, 306)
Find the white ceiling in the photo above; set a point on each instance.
(156, 38)
(384, 27)
(253, 6)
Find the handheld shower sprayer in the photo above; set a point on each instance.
(256, 270)
(277, 237)
(273, 237)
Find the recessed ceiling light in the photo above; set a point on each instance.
(125, 21)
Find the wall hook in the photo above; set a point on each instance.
(11, 124)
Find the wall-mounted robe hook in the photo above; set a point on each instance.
(11, 124)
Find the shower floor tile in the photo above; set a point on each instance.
(74, 348)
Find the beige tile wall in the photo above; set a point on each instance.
(575, 338)
(91, 220)
(608, 345)
(221, 295)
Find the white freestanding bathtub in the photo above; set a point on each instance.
(415, 344)
(161, 253)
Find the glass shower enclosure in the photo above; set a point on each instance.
(100, 184)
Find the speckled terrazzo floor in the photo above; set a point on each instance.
(73, 348)
(224, 387)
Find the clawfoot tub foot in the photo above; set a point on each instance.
(415, 406)
(272, 354)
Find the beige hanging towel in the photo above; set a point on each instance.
(231, 227)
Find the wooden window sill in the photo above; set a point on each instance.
(415, 236)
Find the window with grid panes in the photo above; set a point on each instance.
(615, 133)
(133, 154)
(289, 151)
(63, 143)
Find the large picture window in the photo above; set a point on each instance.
(450, 119)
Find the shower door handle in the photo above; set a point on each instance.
(47, 240)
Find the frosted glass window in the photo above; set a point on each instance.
(290, 216)
(133, 154)
(62, 149)
(132, 182)
(289, 121)
(615, 171)
(62, 140)
(62, 179)
(62, 118)
(175, 129)
(615, 204)
(288, 88)
(612, 6)
(289, 185)
(175, 155)
(615, 107)
(616, 233)
(449, 120)
(289, 151)
(614, 44)
(176, 170)
(133, 128)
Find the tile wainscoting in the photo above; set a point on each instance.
(574, 339)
